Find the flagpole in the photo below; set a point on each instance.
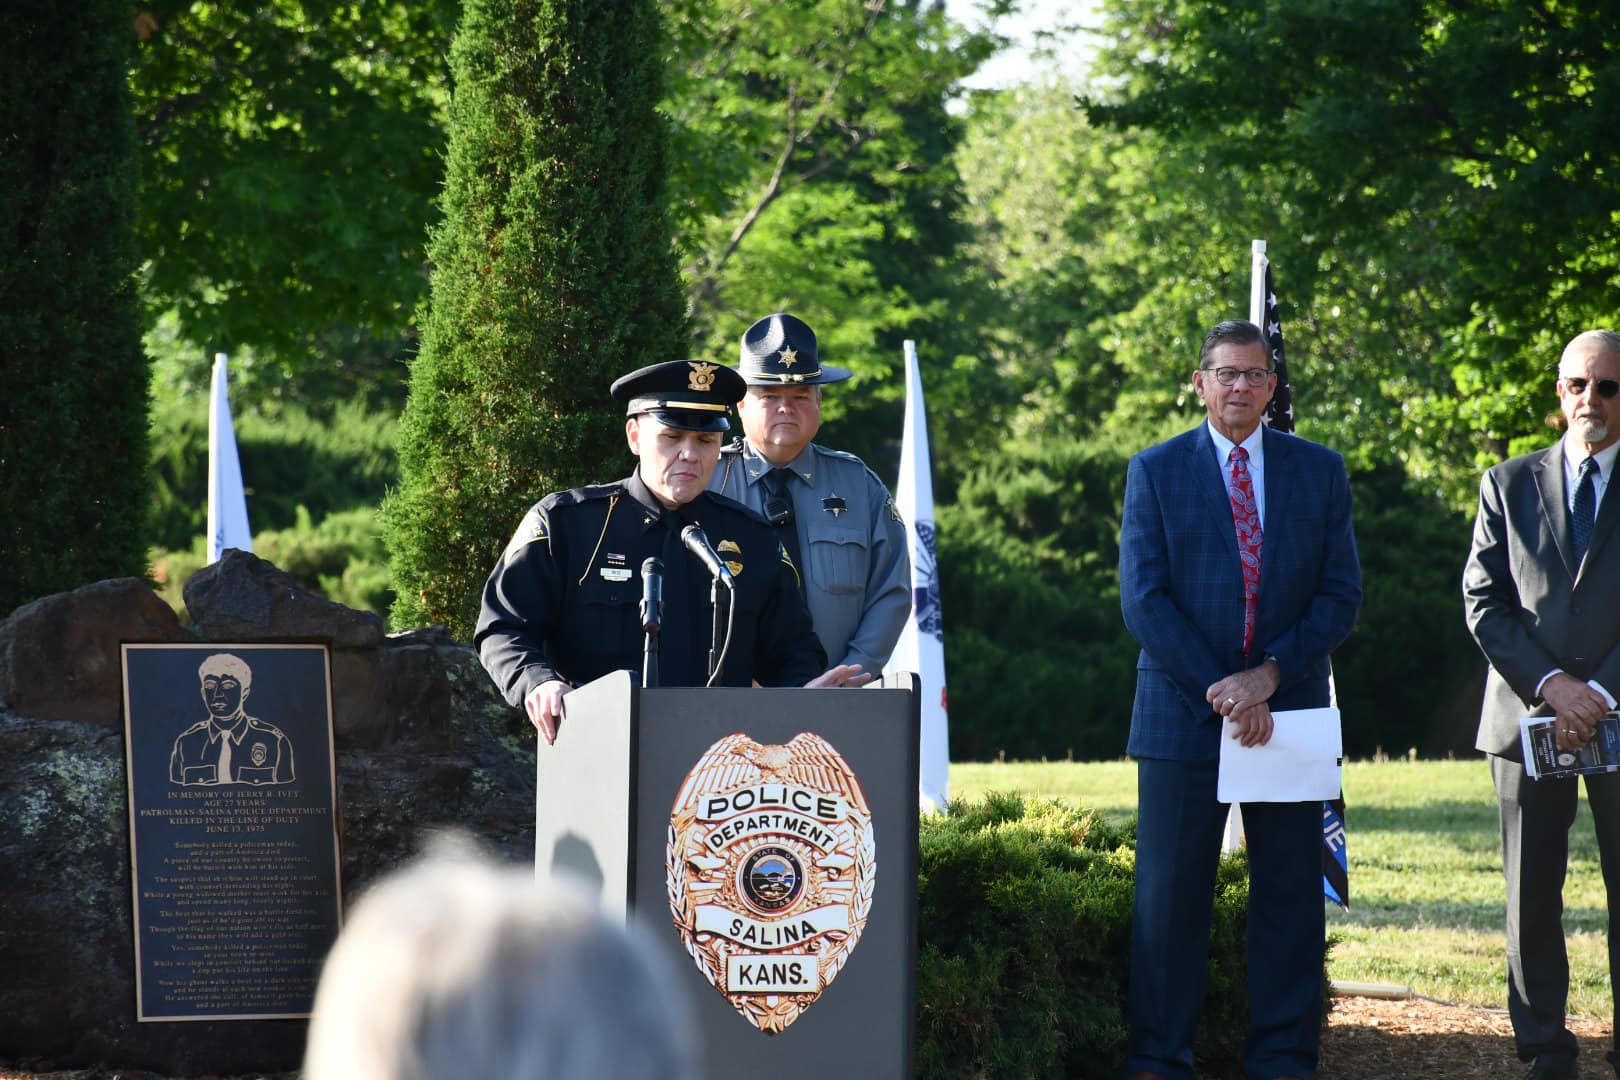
(1257, 283)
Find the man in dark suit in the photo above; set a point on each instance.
(1238, 576)
(1539, 592)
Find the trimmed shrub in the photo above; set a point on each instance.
(1024, 916)
(73, 403)
(554, 272)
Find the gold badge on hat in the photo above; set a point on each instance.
(702, 376)
(789, 356)
(771, 866)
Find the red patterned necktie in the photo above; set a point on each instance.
(1246, 518)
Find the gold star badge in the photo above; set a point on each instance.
(789, 357)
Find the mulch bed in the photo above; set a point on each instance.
(1374, 1039)
(1365, 1039)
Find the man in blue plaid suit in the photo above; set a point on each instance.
(1182, 591)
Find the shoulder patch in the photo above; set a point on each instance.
(894, 511)
(535, 526)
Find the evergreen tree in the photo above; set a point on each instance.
(73, 408)
(554, 273)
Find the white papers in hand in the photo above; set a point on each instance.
(1300, 763)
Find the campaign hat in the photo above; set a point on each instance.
(688, 394)
(780, 350)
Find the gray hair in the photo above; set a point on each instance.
(1230, 332)
(1609, 339)
(459, 967)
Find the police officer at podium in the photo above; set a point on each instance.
(562, 606)
(835, 517)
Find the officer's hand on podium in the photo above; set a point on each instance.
(545, 707)
(841, 675)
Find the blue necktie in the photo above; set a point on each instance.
(1582, 516)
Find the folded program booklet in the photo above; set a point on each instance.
(1543, 758)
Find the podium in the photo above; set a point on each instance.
(767, 839)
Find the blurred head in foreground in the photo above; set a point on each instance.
(457, 967)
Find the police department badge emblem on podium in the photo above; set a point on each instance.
(771, 866)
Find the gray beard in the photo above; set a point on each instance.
(1590, 431)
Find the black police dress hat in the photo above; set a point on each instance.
(780, 350)
(686, 394)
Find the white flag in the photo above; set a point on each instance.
(227, 503)
(921, 647)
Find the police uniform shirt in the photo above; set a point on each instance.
(564, 600)
(851, 540)
(259, 754)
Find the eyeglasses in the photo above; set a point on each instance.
(1228, 376)
(1606, 388)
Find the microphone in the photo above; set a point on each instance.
(652, 594)
(698, 544)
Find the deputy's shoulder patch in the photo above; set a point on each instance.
(535, 526)
(894, 511)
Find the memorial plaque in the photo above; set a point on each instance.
(233, 830)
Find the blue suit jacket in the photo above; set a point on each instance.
(1182, 591)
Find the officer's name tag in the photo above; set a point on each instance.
(616, 573)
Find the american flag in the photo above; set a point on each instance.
(1280, 415)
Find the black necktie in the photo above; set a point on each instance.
(1584, 513)
(779, 512)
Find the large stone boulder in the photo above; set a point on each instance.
(422, 742)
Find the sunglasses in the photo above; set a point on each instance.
(1606, 388)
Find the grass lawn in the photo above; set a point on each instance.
(1426, 892)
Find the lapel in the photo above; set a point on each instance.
(1548, 471)
(1279, 489)
(1214, 503)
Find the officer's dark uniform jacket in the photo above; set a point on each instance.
(564, 601)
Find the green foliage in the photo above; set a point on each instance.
(290, 153)
(1024, 916)
(1410, 675)
(554, 273)
(295, 465)
(341, 558)
(1446, 171)
(73, 408)
(1425, 873)
(813, 172)
(1039, 660)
